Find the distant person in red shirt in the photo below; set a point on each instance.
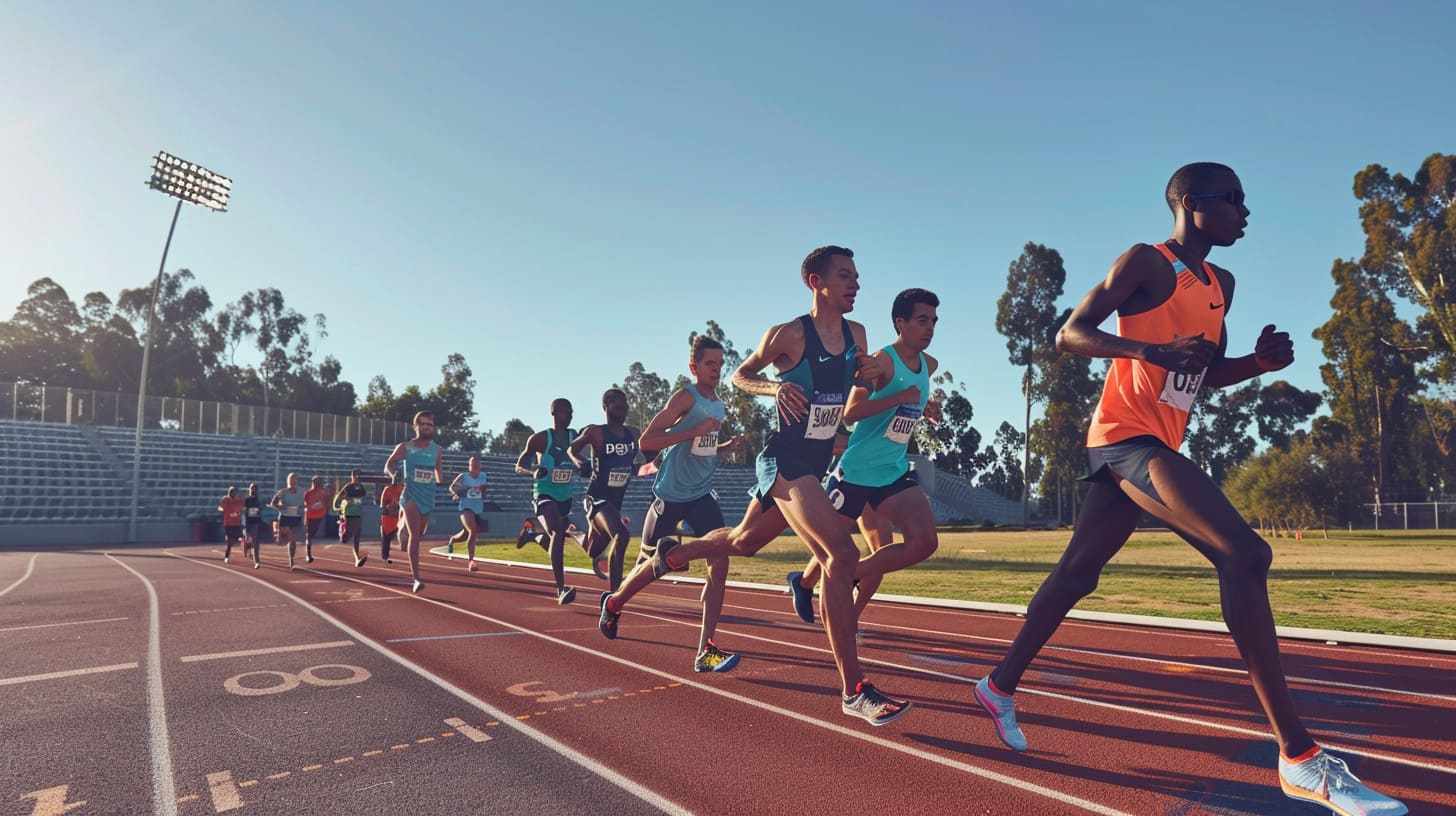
(316, 506)
(231, 507)
(389, 515)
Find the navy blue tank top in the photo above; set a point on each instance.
(825, 379)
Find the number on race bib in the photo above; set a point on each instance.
(473, 493)
(902, 424)
(706, 445)
(1180, 390)
(424, 476)
(824, 416)
(618, 478)
(562, 475)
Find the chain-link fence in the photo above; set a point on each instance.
(84, 406)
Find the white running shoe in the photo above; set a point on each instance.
(1003, 713)
(1326, 780)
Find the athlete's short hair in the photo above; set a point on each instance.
(817, 261)
(904, 304)
(560, 401)
(1194, 178)
(231, 492)
(317, 480)
(422, 415)
(703, 343)
(609, 392)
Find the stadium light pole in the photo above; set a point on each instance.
(191, 184)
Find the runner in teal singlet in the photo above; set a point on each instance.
(469, 491)
(289, 504)
(873, 482)
(546, 459)
(421, 468)
(817, 355)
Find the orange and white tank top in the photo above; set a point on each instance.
(1140, 398)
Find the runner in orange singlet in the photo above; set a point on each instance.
(1170, 341)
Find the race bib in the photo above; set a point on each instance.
(618, 478)
(254, 512)
(473, 493)
(706, 445)
(318, 505)
(562, 475)
(824, 416)
(355, 502)
(424, 476)
(291, 509)
(1179, 390)
(902, 424)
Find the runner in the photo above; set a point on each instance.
(810, 397)
(316, 502)
(349, 503)
(389, 497)
(420, 469)
(686, 430)
(231, 507)
(615, 454)
(1171, 340)
(253, 507)
(289, 504)
(469, 490)
(547, 460)
(874, 482)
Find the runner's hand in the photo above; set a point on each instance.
(910, 396)
(733, 445)
(868, 367)
(1273, 350)
(791, 401)
(707, 426)
(1187, 355)
(540, 472)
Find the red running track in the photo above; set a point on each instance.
(1120, 719)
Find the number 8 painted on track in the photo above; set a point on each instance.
(289, 682)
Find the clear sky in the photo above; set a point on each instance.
(556, 190)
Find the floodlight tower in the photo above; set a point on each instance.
(188, 183)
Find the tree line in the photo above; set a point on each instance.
(1387, 433)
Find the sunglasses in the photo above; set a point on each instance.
(1234, 197)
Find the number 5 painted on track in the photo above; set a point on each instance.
(52, 801)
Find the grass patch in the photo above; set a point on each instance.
(1395, 583)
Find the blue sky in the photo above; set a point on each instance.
(559, 190)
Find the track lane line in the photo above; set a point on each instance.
(164, 785)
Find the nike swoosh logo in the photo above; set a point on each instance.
(1215, 305)
(824, 359)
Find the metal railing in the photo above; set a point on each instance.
(85, 406)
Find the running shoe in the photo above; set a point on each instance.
(565, 595)
(225, 559)
(308, 559)
(607, 621)
(1003, 714)
(713, 659)
(419, 585)
(359, 562)
(660, 567)
(803, 597)
(256, 565)
(873, 706)
(1326, 780)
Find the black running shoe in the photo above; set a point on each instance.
(527, 530)
(607, 621)
(565, 595)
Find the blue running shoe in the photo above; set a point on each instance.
(713, 659)
(803, 598)
(607, 621)
(1002, 712)
(1326, 780)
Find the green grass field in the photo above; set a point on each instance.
(1389, 582)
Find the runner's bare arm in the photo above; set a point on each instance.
(869, 368)
(397, 455)
(590, 435)
(781, 345)
(439, 463)
(657, 437)
(860, 405)
(1129, 277)
(526, 463)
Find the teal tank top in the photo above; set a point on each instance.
(419, 475)
(472, 493)
(876, 454)
(559, 470)
(687, 467)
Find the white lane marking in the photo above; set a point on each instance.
(974, 770)
(227, 609)
(470, 731)
(1264, 735)
(506, 720)
(450, 637)
(164, 785)
(29, 568)
(66, 623)
(302, 647)
(10, 681)
(225, 795)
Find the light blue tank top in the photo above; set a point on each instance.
(875, 455)
(687, 467)
(472, 493)
(419, 475)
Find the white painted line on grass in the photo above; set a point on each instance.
(450, 637)
(29, 568)
(11, 681)
(225, 795)
(505, 719)
(164, 786)
(302, 647)
(66, 623)
(470, 731)
(954, 764)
